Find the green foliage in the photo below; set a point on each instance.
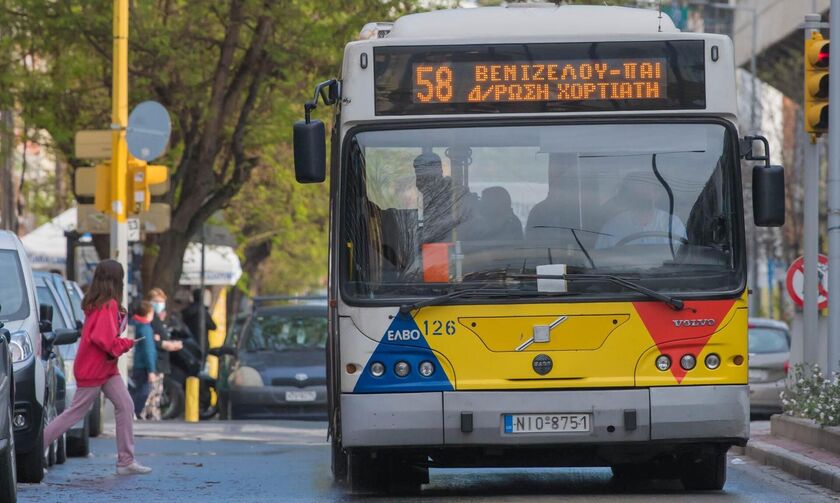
(812, 395)
(233, 74)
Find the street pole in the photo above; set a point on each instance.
(833, 189)
(202, 322)
(119, 123)
(9, 211)
(756, 301)
(810, 335)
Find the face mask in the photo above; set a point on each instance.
(158, 307)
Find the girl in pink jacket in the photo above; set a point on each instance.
(95, 367)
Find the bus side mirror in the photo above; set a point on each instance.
(768, 185)
(310, 147)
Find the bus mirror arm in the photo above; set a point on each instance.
(768, 185)
(310, 139)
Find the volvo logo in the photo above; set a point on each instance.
(301, 377)
(542, 364)
(694, 323)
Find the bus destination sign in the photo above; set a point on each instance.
(615, 79)
(528, 78)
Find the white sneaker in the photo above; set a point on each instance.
(134, 468)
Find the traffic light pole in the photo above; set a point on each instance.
(119, 123)
(833, 190)
(810, 318)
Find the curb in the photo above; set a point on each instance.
(795, 464)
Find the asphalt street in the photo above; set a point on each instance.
(289, 461)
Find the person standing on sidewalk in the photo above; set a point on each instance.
(95, 367)
(144, 371)
(164, 345)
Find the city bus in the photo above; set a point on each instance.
(537, 245)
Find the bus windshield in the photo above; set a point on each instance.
(427, 211)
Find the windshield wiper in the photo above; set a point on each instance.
(433, 301)
(672, 302)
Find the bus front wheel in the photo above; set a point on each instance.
(339, 461)
(706, 472)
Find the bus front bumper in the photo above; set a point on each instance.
(677, 413)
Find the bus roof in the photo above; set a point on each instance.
(531, 20)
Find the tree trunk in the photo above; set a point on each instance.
(162, 269)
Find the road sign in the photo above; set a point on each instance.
(133, 229)
(154, 221)
(94, 144)
(795, 281)
(148, 130)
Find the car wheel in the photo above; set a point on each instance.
(61, 449)
(95, 418)
(172, 400)
(78, 447)
(51, 453)
(31, 465)
(8, 470)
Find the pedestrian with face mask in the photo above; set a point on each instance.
(164, 345)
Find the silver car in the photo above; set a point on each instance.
(769, 348)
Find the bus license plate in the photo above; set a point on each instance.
(547, 423)
(300, 396)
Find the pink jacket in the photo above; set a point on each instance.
(100, 346)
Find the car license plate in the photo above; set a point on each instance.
(300, 396)
(758, 375)
(547, 423)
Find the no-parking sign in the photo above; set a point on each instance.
(795, 282)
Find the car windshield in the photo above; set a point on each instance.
(768, 340)
(428, 209)
(285, 332)
(14, 304)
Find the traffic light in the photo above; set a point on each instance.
(141, 177)
(816, 84)
(102, 197)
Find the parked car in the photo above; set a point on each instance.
(31, 343)
(277, 368)
(769, 348)
(52, 290)
(46, 296)
(8, 475)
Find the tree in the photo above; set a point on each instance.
(231, 72)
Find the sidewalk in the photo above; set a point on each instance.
(797, 448)
(288, 432)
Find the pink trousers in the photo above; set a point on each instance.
(115, 391)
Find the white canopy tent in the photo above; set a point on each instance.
(47, 249)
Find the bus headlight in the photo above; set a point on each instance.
(247, 377)
(663, 362)
(687, 362)
(402, 369)
(426, 369)
(377, 369)
(21, 347)
(712, 361)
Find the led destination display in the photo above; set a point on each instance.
(615, 79)
(523, 78)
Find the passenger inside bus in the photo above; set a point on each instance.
(638, 219)
(495, 219)
(551, 219)
(445, 206)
